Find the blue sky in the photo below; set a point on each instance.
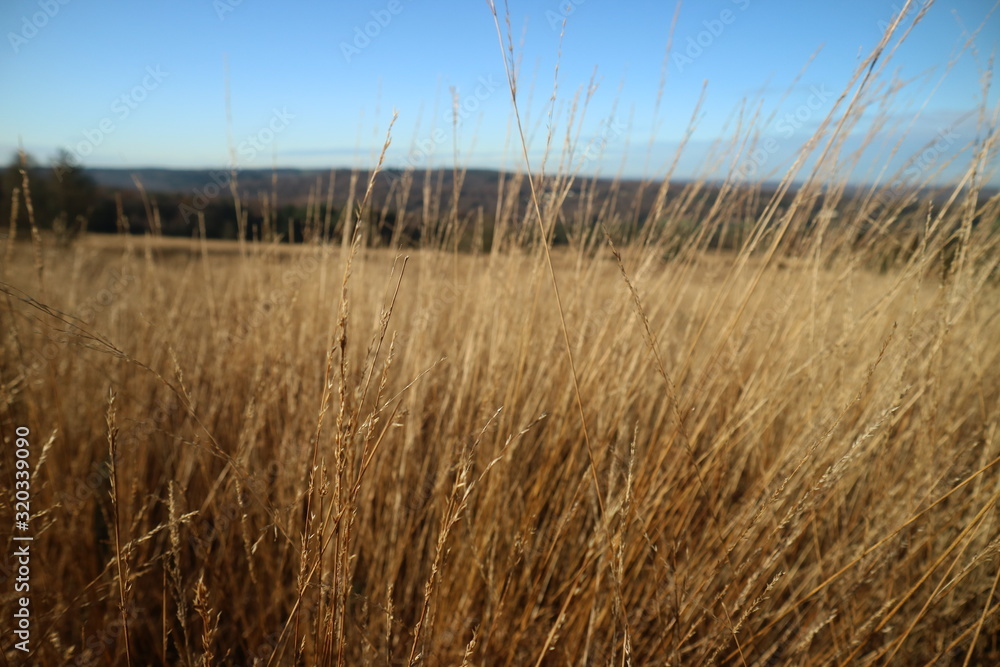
(138, 84)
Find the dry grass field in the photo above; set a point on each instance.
(663, 451)
(783, 464)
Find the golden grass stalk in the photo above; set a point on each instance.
(121, 559)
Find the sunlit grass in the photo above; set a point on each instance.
(344, 453)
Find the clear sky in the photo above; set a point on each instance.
(141, 84)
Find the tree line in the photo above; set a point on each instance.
(66, 200)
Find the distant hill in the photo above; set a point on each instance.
(294, 186)
(292, 203)
(479, 187)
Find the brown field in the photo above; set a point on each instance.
(304, 469)
(777, 448)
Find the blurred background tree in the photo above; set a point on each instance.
(75, 194)
(63, 197)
